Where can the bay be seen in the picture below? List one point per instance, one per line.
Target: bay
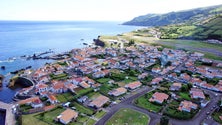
(19, 38)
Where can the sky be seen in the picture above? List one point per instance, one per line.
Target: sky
(96, 10)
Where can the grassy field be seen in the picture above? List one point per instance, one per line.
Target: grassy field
(130, 79)
(103, 80)
(128, 117)
(100, 114)
(185, 96)
(90, 122)
(58, 77)
(32, 120)
(216, 116)
(83, 109)
(93, 95)
(49, 116)
(191, 45)
(65, 97)
(143, 102)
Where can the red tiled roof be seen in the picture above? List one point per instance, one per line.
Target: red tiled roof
(159, 97)
(133, 85)
(99, 101)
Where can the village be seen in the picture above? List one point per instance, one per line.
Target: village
(83, 87)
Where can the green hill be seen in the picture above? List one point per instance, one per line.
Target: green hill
(186, 16)
(209, 29)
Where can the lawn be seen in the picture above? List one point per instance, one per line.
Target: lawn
(59, 77)
(105, 88)
(31, 120)
(93, 95)
(90, 122)
(82, 109)
(100, 114)
(83, 120)
(130, 79)
(128, 117)
(82, 92)
(103, 80)
(143, 102)
(49, 116)
(25, 108)
(216, 115)
(65, 97)
(185, 96)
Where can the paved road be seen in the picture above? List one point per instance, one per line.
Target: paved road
(154, 118)
(127, 103)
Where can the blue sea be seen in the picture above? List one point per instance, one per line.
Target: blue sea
(18, 38)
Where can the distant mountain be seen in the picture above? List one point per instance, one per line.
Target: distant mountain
(186, 16)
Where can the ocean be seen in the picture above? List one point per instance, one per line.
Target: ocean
(18, 38)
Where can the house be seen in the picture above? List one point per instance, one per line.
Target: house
(71, 87)
(75, 81)
(98, 74)
(142, 76)
(196, 81)
(187, 106)
(175, 86)
(52, 99)
(197, 93)
(88, 80)
(156, 70)
(99, 101)
(67, 116)
(133, 85)
(41, 88)
(82, 99)
(207, 86)
(84, 84)
(96, 85)
(156, 80)
(28, 100)
(185, 77)
(50, 107)
(118, 92)
(37, 103)
(59, 87)
(158, 97)
(173, 75)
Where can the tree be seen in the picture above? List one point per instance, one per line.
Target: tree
(164, 120)
(184, 88)
(131, 42)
